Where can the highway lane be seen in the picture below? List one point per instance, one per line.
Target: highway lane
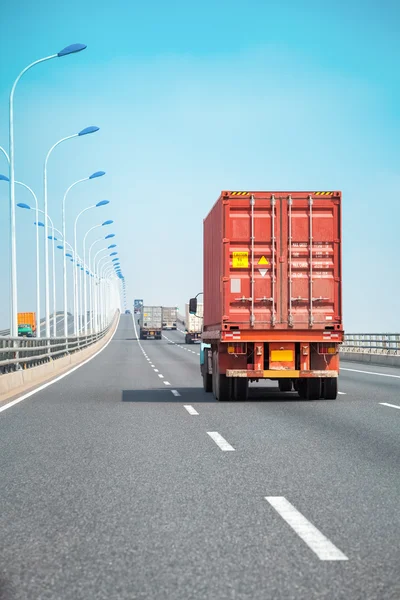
(112, 489)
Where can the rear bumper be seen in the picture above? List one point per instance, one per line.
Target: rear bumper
(277, 374)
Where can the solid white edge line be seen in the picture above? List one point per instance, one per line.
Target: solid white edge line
(390, 405)
(370, 373)
(220, 441)
(49, 383)
(175, 392)
(314, 539)
(190, 409)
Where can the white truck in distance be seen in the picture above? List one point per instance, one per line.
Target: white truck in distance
(193, 324)
(150, 322)
(169, 317)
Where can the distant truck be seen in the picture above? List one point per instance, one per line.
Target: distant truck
(26, 324)
(169, 317)
(137, 305)
(193, 324)
(272, 293)
(150, 322)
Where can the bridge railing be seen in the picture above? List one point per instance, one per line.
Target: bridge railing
(24, 353)
(372, 343)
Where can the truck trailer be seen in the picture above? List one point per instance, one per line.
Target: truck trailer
(272, 293)
(150, 322)
(26, 324)
(193, 324)
(169, 317)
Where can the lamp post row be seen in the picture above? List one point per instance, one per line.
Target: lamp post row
(72, 49)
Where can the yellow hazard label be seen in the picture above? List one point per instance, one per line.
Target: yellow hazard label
(239, 193)
(240, 260)
(263, 261)
(323, 193)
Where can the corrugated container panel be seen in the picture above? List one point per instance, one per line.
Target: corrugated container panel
(151, 317)
(273, 260)
(194, 323)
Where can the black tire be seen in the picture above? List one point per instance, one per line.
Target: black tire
(302, 389)
(313, 388)
(207, 381)
(222, 385)
(330, 388)
(240, 389)
(187, 339)
(285, 385)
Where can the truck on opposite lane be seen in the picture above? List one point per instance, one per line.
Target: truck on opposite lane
(150, 322)
(272, 293)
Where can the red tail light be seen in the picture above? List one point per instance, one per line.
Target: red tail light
(325, 348)
(237, 348)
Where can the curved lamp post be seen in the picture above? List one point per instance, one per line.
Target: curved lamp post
(101, 203)
(92, 176)
(72, 49)
(109, 222)
(4, 178)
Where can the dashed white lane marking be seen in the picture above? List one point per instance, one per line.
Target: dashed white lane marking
(161, 376)
(190, 409)
(175, 392)
(156, 370)
(220, 441)
(390, 405)
(152, 366)
(314, 539)
(167, 383)
(342, 393)
(371, 373)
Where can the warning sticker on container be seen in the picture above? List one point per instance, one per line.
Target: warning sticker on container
(240, 260)
(263, 261)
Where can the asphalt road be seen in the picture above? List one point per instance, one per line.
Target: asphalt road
(112, 489)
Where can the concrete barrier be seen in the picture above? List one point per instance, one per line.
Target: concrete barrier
(25, 380)
(387, 360)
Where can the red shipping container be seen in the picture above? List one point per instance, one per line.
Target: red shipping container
(272, 266)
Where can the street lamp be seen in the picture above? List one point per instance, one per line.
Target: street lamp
(92, 282)
(5, 178)
(99, 204)
(50, 237)
(92, 176)
(109, 222)
(86, 131)
(72, 49)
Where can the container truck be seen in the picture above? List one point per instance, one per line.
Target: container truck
(193, 324)
(150, 322)
(272, 293)
(26, 324)
(169, 317)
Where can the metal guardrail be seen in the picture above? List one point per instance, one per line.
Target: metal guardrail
(24, 353)
(372, 343)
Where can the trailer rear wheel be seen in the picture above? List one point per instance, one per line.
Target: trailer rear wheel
(285, 385)
(207, 381)
(313, 388)
(330, 388)
(222, 387)
(240, 388)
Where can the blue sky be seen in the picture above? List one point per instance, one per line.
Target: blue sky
(195, 98)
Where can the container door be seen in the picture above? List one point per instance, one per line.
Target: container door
(312, 260)
(251, 287)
